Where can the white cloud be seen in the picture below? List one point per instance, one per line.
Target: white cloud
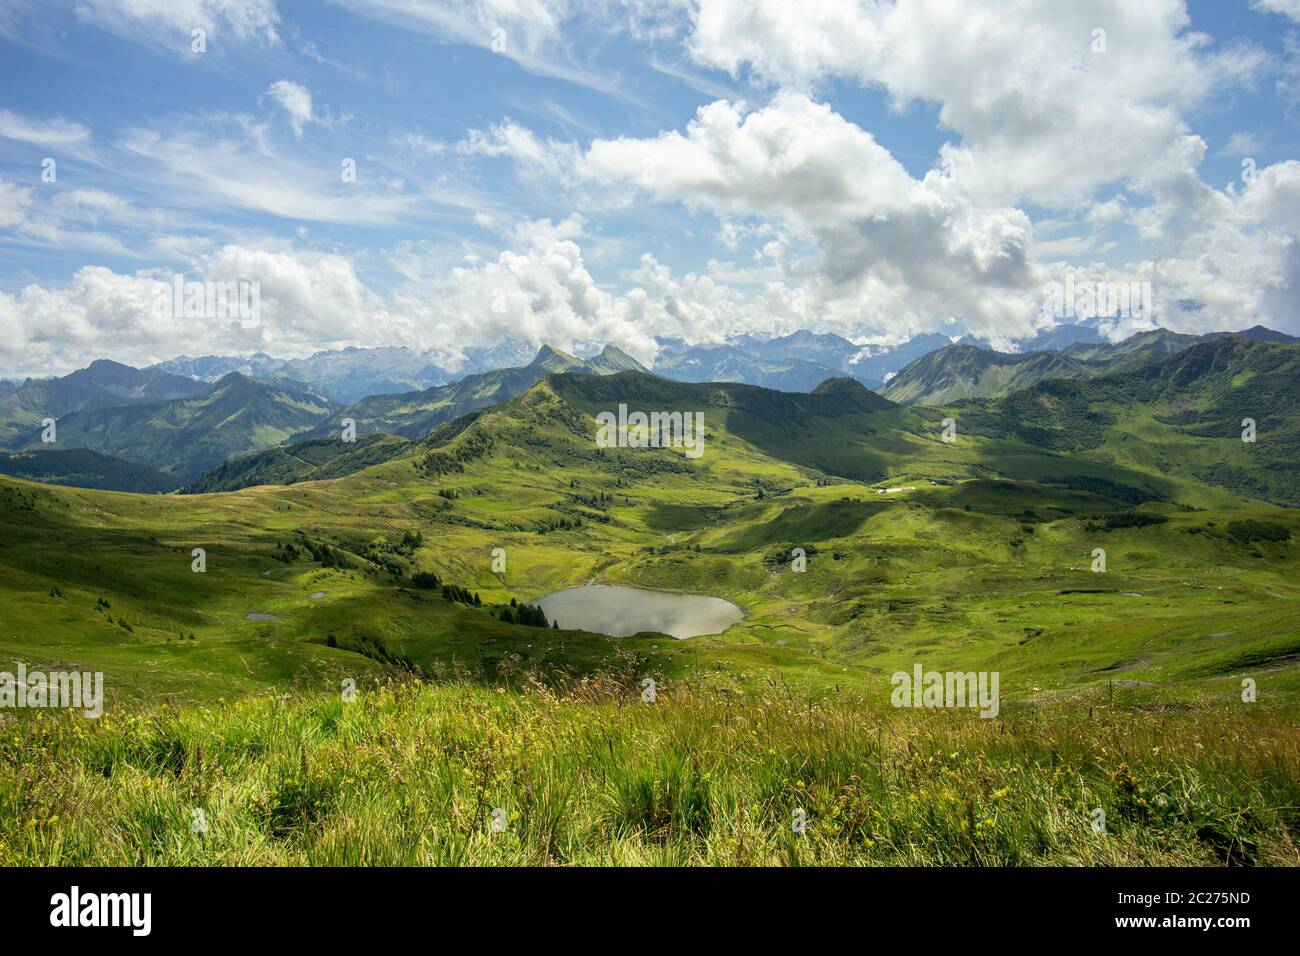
(295, 100)
(228, 164)
(422, 143)
(1104, 213)
(794, 158)
(173, 20)
(1230, 258)
(541, 162)
(542, 36)
(892, 252)
(818, 223)
(539, 290)
(869, 250)
(1287, 8)
(1041, 116)
(1222, 260)
(308, 300)
(1241, 145)
(52, 132)
(44, 216)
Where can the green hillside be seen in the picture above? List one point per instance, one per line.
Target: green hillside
(959, 372)
(1181, 417)
(103, 384)
(412, 414)
(187, 437)
(1135, 351)
(981, 553)
(299, 461)
(80, 468)
(965, 371)
(980, 558)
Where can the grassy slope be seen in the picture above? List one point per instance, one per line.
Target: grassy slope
(82, 468)
(1180, 418)
(950, 575)
(299, 461)
(413, 414)
(712, 773)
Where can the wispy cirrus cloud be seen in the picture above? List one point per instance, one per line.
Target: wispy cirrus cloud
(172, 22)
(43, 132)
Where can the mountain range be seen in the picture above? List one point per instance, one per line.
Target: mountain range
(350, 374)
(975, 549)
(187, 436)
(797, 362)
(154, 429)
(106, 408)
(1165, 432)
(966, 371)
(102, 384)
(411, 414)
(800, 361)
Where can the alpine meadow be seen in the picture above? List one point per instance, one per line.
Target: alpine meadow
(720, 433)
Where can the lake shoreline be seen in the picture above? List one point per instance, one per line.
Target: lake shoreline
(618, 610)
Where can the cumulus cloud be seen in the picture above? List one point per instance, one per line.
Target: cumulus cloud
(871, 251)
(295, 100)
(1043, 114)
(869, 247)
(1230, 258)
(793, 158)
(307, 301)
(1048, 110)
(821, 225)
(539, 291)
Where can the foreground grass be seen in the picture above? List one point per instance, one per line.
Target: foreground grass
(411, 774)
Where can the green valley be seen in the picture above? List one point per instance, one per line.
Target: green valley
(977, 554)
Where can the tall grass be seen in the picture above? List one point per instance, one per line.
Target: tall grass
(411, 774)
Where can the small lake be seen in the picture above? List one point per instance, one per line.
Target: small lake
(619, 611)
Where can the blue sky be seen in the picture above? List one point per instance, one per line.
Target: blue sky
(576, 171)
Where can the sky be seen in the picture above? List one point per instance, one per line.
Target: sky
(443, 175)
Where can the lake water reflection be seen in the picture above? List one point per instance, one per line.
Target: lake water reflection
(619, 611)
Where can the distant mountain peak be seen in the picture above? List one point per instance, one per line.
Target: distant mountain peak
(1262, 333)
(842, 385)
(614, 359)
(555, 359)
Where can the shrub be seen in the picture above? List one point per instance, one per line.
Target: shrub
(1249, 529)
